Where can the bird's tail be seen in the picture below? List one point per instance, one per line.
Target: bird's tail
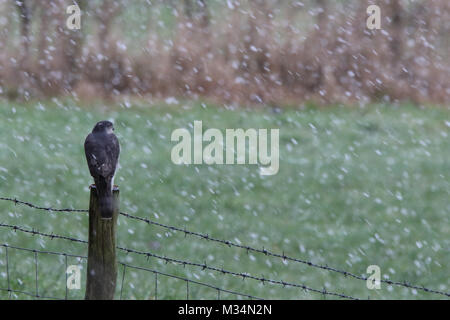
(105, 198)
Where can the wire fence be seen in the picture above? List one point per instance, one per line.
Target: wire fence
(202, 266)
(36, 293)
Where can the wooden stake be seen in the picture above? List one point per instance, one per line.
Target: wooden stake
(102, 266)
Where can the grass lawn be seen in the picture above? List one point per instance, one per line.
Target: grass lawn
(356, 187)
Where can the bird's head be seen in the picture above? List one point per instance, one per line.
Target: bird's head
(104, 127)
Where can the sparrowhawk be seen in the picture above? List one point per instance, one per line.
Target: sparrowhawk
(102, 153)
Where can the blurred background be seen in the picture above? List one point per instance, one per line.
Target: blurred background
(257, 52)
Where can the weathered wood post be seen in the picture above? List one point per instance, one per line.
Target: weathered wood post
(102, 266)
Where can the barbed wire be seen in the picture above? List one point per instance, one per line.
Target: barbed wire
(218, 289)
(5, 245)
(31, 205)
(229, 243)
(282, 256)
(35, 232)
(203, 266)
(242, 275)
(125, 265)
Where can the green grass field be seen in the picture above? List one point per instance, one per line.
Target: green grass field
(356, 187)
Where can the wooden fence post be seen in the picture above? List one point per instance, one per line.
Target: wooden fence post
(102, 265)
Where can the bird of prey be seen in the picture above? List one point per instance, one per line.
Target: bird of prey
(102, 154)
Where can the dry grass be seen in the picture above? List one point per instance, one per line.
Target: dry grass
(252, 54)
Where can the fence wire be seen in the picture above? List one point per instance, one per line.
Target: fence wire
(35, 252)
(184, 263)
(156, 273)
(36, 294)
(227, 243)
